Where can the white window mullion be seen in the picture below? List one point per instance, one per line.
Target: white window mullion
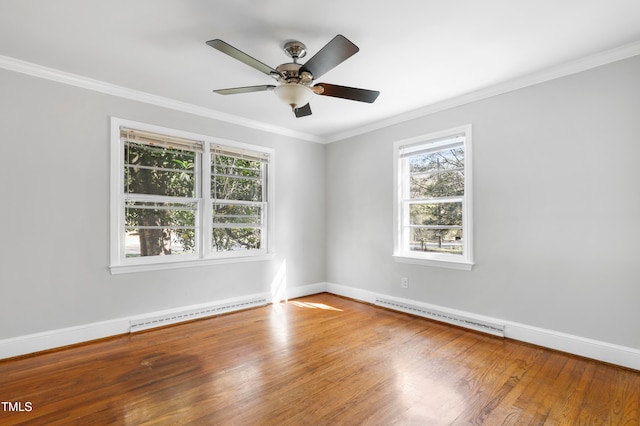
(467, 202)
(437, 200)
(159, 198)
(263, 225)
(206, 209)
(406, 216)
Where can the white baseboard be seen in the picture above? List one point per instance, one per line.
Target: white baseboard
(582, 346)
(450, 316)
(306, 290)
(37, 342)
(594, 349)
(351, 292)
(202, 310)
(588, 348)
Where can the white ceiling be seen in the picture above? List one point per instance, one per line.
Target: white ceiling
(415, 52)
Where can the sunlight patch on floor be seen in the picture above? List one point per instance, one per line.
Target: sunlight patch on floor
(311, 305)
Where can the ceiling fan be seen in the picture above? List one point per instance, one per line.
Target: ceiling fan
(295, 80)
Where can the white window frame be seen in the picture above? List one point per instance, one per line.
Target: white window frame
(205, 254)
(401, 252)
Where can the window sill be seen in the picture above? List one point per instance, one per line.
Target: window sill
(125, 269)
(438, 263)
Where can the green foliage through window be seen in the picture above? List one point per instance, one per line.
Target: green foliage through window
(237, 193)
(161, 227)
(186, 196)
(436, 185)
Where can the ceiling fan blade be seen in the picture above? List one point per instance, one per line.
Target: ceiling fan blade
(303, 111)
(331, 55)
(241, 56)
(247, 89)
(344, 92)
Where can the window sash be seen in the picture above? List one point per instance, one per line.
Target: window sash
(157, 211)
(259, 223)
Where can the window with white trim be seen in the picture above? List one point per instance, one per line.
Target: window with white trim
(433, 199)
(180, 198)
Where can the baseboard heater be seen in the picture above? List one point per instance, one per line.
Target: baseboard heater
(193, 313)
(450, 318)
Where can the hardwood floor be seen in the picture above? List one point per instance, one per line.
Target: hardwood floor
(318, 360)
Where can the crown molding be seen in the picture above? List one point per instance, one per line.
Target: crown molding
(572, 67)
(563, 70)
(35, 70)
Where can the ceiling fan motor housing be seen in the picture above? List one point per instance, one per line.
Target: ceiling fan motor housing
(290, 73)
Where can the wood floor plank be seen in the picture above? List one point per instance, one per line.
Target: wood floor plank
(318, 360)
(622, 410)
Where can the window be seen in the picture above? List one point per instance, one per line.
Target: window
(180, 198)
(433, 199)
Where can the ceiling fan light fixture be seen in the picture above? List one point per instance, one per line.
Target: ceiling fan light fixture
(293, 94)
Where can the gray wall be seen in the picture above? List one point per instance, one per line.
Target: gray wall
(55, 212)
(556, 201)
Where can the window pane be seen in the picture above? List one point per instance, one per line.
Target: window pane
(158, 171)
(145, 242)
(237, 214)
(235, 178)
(227, 165)
(236, 227)
(436, 240)
(236, 188)
(447, 159)
(436, 214)
(159, 228)
(233, 239)
(436, 184)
